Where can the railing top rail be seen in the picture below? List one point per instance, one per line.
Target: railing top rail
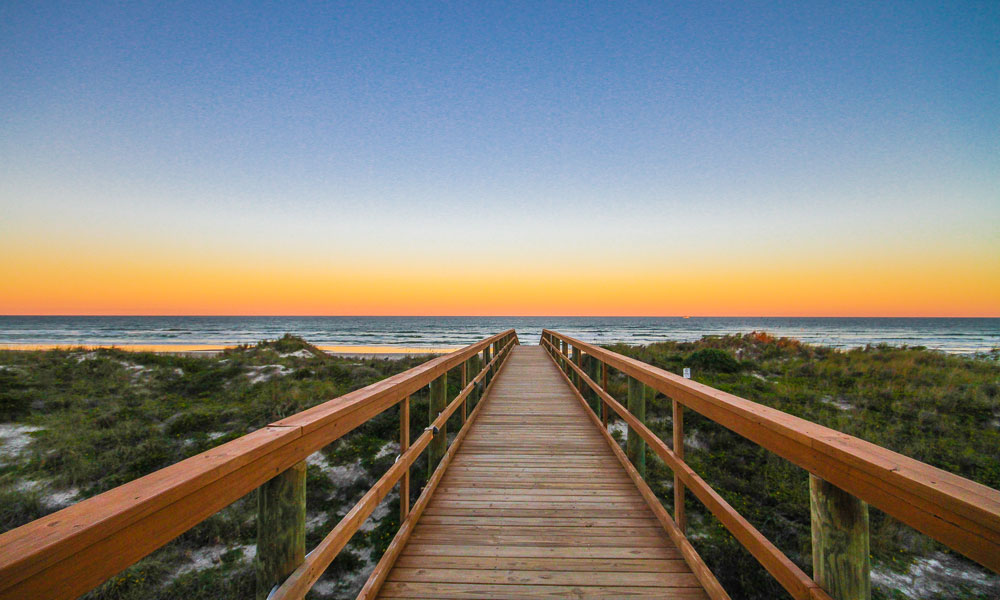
(83, 544)
(956, 511)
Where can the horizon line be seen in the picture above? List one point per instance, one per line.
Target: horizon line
(370, 316)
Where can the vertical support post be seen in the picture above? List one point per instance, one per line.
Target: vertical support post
(477, 390)
(438, 402)
(575, 357)
(465, 382)
(635, 447)
(281, 528)
(470, 374)
(841, 563)
(591, 365)
(679, 515)
(404, 444)
(604, 386)
(486, 361)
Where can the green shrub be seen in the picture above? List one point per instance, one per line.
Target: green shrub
(714, 360)
(14, 401)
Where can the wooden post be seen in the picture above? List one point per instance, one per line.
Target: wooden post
(281, 528)
(679, 515)
(604, 386)
(486, 361)
(575, 357)
(404, 443)
(592, 366)
(841, 563)
(438, 402)
(465, 382)
(635, 447)
(477, 389)
(470, 373)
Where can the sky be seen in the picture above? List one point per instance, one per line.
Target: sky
(481, 158)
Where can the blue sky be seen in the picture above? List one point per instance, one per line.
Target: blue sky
(657, 129)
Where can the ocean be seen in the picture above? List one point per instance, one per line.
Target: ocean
(947, 334)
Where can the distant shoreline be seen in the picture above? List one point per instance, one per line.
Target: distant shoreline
(215, 349)
(407, 336)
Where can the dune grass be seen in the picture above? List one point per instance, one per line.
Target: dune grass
(76, 423)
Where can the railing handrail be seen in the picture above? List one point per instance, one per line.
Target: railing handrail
(70, 551)
(960, 513)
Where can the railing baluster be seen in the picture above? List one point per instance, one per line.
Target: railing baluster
(476, 392)
(604, 386)
(575, 357)
(404, 443)
(840, 552)
(465, 382)
(281, 528)
(438, 402)
(635, 447)
(679, 515)
(592, 367)
(486, 361)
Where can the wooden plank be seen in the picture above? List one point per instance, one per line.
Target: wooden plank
(522, 511)
(593, 522)
(548, 577)
(589, 565)
(471, 591)
(606, 553)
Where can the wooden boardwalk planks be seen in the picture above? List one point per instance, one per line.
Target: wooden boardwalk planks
(535, 505)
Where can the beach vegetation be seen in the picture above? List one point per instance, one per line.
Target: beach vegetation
(78, 422)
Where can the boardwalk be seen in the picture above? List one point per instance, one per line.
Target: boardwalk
(535, 505)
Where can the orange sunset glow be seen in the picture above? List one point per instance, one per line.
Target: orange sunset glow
(478, 284)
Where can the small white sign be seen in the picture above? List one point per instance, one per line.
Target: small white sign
(687, 372)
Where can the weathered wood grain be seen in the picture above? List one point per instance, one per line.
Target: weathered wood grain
(841, 562)
(281, 528)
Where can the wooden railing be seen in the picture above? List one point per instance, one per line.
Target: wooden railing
(846, 474)
(75, 549)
